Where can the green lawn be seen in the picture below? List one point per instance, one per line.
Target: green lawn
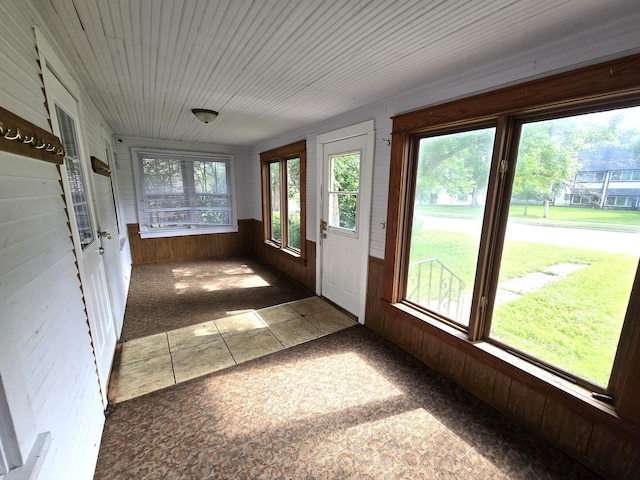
(628, 220)
(573, 322)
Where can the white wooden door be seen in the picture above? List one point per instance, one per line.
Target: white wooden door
(347, 164)
(78, 191)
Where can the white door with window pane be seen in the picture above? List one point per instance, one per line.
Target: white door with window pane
(345, 220)
(79, 198)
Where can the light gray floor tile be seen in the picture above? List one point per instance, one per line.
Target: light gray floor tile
(144, 348)
(236, 324)
(193, 335)
(135, 379)
(311, 305)
(330, 321)
(254, 344)
(295, 331)
(196, 361)
(277, 314)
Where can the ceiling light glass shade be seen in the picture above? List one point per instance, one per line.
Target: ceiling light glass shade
(205, 115)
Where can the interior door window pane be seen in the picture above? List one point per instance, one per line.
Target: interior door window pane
(76, 178)
(344, 186)
(451, 185)
(274, 182)
(293, 203)
(568, 266)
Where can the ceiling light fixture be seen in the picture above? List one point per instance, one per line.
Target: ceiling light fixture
(205, 115)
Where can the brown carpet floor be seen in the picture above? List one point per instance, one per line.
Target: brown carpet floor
(173, 295)
(348, 405)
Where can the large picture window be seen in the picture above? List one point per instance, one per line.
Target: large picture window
(184, 193)
(283, 197)
(521, 229)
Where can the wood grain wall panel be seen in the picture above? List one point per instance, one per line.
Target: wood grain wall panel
(501, 388)
(526, 404)
(613, 453)
(191, 247)
(451, 361)
(301, 271)
(431, 350)
(415, 342)
(566, 426)
(479, 378)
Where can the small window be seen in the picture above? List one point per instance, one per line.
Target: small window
(344, 185)
(183, 193)
(283, 198)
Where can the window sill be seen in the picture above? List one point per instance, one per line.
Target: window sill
(504, 362)
(181, 232)
(295, 256)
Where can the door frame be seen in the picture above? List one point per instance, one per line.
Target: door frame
(366, 190)
(53, 64)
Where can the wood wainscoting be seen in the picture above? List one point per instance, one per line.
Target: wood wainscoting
(247, 241)
(145, 251)
(585, 429)
(303, 271)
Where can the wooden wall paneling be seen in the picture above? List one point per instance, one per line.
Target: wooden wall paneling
(613, 453)
(479, 378)
(402, 334)
(134, 243)
(451, 361)
(566, 427)
(526, 403)
(415, 342)
(500, 393)
(431, 349)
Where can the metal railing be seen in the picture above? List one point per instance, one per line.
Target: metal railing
(434, 286)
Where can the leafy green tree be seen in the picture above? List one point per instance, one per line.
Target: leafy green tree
(456, 163)
(346, 184)
(546, 161)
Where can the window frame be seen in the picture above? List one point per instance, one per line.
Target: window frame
(187, 157)
(608, 85)
(296, 150)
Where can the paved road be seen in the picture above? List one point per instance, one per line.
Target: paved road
(588, 238)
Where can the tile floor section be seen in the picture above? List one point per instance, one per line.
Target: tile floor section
(158, 361)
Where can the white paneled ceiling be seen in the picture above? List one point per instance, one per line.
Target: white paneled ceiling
(271, 66)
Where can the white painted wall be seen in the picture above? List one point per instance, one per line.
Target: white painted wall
(47, 368)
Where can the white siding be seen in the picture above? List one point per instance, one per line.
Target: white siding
(46, 358)
(44, 314)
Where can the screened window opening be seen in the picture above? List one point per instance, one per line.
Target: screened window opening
(283, 198)
(185, 192)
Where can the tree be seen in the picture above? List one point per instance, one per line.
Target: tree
(457, 163)
(546, 159)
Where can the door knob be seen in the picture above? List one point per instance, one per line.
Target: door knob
(104, 234)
